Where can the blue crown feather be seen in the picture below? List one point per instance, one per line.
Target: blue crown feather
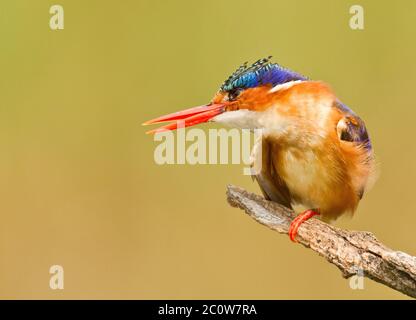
(261, 72)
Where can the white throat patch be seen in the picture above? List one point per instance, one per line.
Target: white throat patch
(243, 119)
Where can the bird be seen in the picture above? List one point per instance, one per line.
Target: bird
(315, 152)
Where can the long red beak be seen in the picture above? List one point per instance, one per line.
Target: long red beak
(188, 117)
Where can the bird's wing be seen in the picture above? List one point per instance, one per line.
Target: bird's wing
(351, 129)
(271, 184)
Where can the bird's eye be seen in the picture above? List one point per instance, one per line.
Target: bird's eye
(233, 94)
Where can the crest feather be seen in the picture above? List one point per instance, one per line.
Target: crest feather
(261, 72)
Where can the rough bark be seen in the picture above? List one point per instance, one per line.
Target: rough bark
(348, 250)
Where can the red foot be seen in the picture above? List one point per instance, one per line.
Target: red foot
(302, 217)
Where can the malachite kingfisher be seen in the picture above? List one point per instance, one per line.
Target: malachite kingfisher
(316, 153)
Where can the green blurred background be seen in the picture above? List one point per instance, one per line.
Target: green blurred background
(78, 183)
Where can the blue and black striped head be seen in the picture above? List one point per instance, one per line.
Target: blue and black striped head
(260, 73)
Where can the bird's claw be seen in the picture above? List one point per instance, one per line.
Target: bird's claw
(302, 217)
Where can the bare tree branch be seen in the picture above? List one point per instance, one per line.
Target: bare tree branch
(348, 250)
